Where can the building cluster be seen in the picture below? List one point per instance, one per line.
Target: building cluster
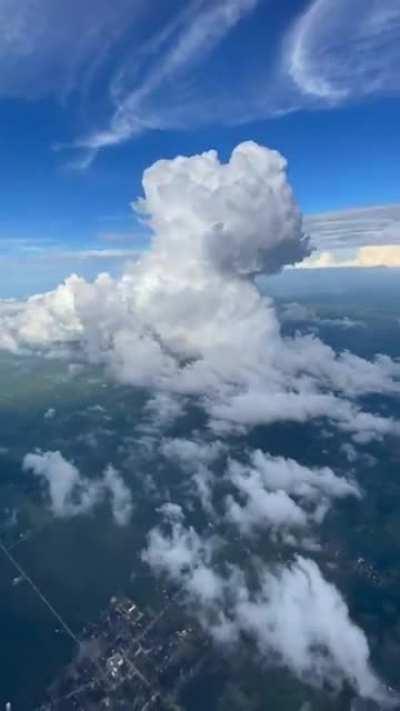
(131, 659)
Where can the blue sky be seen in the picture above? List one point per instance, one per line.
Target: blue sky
(92, 93)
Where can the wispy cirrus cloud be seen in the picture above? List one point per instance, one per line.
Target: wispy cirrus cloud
(50, 46)
(331, 54)
(127, 68)
(184, 42)
(341, 51)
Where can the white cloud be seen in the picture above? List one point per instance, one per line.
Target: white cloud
(383, 255)
(189, 454)
(46, 45)
(262, 509)
(349, 229)
(330, 55)
(71, 494)
(293, 614)
(339, 52)
(162, 410)
(187, 319)
(362, 237)
(242, 217)
(121, 498)
(173, 554)
(127, 74)
(186, 40)
(280, 494)
(49, 414)
(41, 320)
(303, 619)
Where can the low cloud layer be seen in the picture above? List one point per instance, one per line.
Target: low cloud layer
(293, 614)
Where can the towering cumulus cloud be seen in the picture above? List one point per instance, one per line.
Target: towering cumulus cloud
(188, 318)
(238, 219)
(188, 322)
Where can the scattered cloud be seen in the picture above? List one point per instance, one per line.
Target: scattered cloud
(190, 454)
(303, 619)
(121, 498)
(187, 322)
(293, 614)
(49, 414)
(281, 494)
(71, 494)
(162, 410)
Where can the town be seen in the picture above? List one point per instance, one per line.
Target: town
(131, 659)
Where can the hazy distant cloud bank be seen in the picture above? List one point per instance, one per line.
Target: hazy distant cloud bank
(364, 237)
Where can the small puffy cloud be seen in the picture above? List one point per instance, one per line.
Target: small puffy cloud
(162, 410)
(280, 494)
(180, 553)
(174, 553)
(294, 478)
(121, 497)
(263, 509)
(50, 413)
(71, 494)
(190, 454)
